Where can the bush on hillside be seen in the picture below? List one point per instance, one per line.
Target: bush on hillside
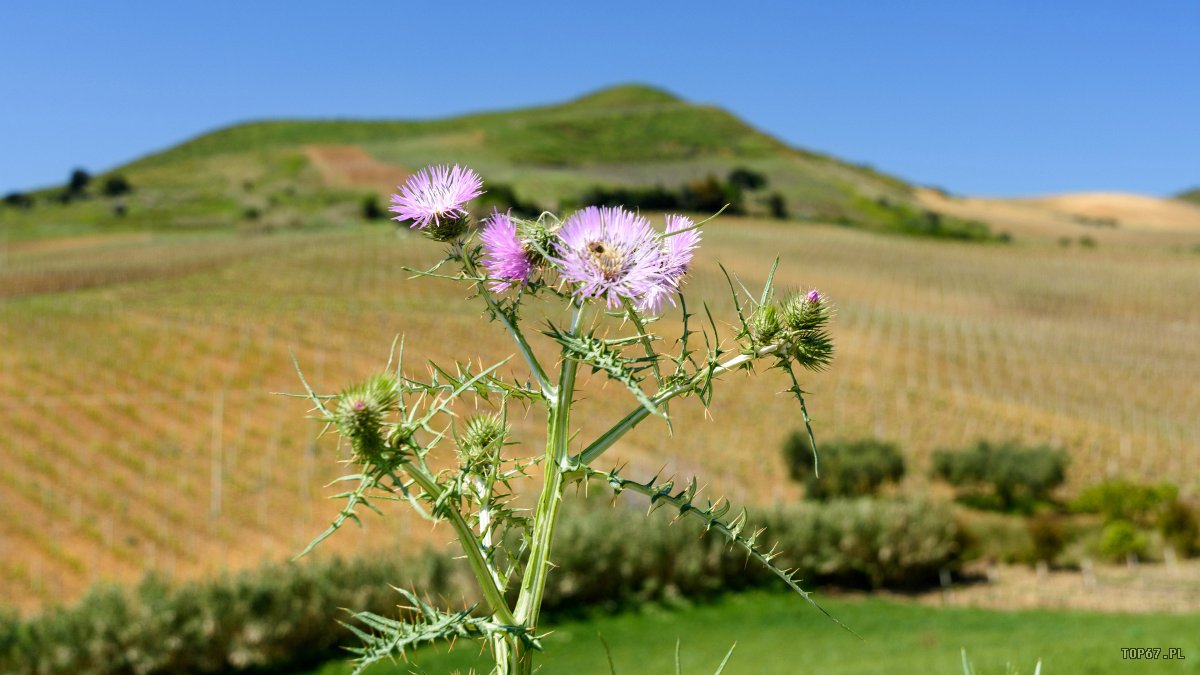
(777, 206)
(848, 468)
(370, 208)
(502, 197)
(1119, 499)
(1146, 507)
(18, 199)
(115, 186)
(1003, 476)
(78, 182)
(1120, 540)
(747, 179)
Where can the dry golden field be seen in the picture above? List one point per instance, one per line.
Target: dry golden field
(138, 430)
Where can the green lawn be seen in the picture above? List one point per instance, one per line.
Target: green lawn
(780, 634)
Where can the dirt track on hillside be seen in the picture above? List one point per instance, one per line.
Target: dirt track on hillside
(351, 166)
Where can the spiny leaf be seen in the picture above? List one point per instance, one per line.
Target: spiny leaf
(592, 351)
(732, 530)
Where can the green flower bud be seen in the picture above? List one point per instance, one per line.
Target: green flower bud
(447, 229)
(806, 312)
(360, 414)
(764, 325)
(536, 237)
(481, 442)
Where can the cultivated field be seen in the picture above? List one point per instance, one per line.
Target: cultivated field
(139, 431)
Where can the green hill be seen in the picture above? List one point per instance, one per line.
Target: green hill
(262, 175)
(1192, 195)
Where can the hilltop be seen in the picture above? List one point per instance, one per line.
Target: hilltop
(631, 144)
(288, 174)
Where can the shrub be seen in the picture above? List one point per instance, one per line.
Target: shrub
(1180, 527)
(851, 468)
(1120, 539)
(777, 206)
(502, 197)
(18, 199)
(1004, 476)
(115, 186)
(1123, 500)
(711, 195)
(371, 210)
(78, 182)
(282, 617)
(746, 179)
(903, 218)
(1048, 533)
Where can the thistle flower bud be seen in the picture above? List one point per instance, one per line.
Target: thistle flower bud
(447, 229)
(765, 327)
(806, 312)
(481, 442)
(537, 237)
(360, 414)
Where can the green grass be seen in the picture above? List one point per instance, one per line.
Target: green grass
(780, 634)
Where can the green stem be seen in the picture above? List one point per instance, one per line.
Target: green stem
(535, 366)
(489, 582)
(533, 585)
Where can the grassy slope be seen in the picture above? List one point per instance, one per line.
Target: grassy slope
(623, 135)
(780, 635)
(1192, 196)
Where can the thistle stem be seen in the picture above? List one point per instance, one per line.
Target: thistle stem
(489, 581)
(533, 585)
(535, 366)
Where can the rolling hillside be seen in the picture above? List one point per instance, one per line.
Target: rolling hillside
(143, 333)
(272, 175)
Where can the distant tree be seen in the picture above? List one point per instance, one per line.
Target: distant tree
(849, 468)
(502, 197)
(1016, 476)
(371, 210)
(777, 206)
(746, 179)
(18, 199)
(709, 194)
(115, 186)
(78, 182)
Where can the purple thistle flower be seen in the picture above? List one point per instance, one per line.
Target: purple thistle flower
(814, 296)
(612, 254)
(434, 194)
(504, 255)
(679, 248)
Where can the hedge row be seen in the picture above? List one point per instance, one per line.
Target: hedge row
(283, 616)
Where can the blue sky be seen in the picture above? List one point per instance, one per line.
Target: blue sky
(1008, 98)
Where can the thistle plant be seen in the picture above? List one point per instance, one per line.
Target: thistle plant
(603, 278)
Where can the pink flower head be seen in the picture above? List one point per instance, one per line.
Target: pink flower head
(679, 248)
(434, 194)
(814, 296)
(613, 254)
(504, 255)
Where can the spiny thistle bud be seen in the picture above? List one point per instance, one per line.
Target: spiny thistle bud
(480, 443)
(361, 411)
(806, 342)
(764, 325)
(806, 312)
(447, 229)
(537, 237)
